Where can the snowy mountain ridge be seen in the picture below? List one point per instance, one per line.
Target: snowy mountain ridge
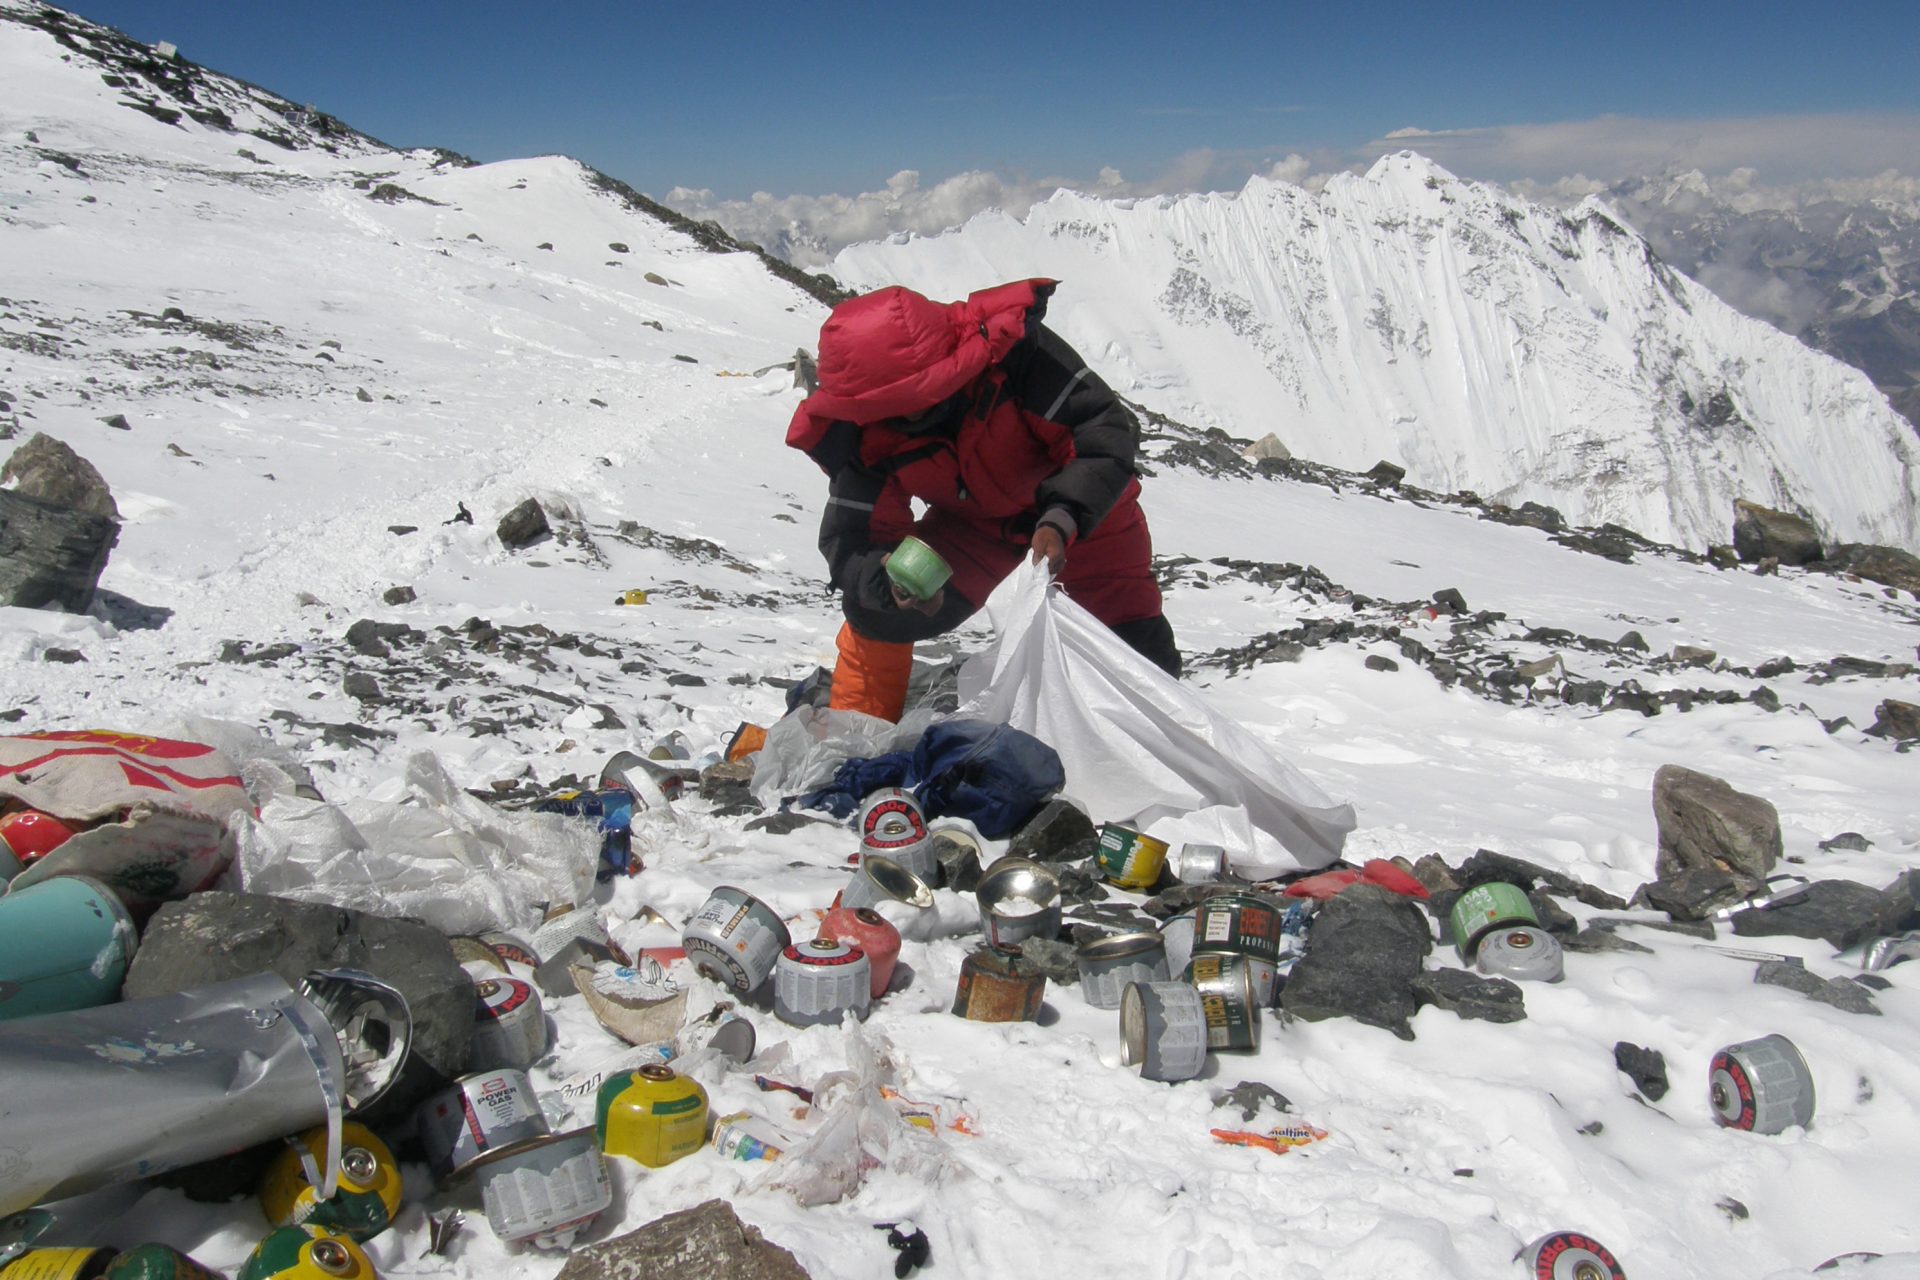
(1482, 341)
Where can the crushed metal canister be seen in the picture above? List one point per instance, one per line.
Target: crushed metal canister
(1524, 953)
(1129, 858)
(1019, 899)
(1762, 1086)
(546, 1192)
(65, 943)
(1108, 965)
(651, 1114)
(1484, 908)
(998, 984)
(59, 1264)
(1569, 1255)
(369, 1193)
(307, 1253)
(735, 939)
(181, 1078)
(156, 1262)
(1163, 1030)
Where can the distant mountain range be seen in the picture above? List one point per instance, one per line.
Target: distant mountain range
(1482, 341)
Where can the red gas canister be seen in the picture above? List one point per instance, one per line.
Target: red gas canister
(872, 933)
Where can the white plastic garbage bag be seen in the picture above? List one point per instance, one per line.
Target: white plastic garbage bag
(1137, 745)
(804, 749)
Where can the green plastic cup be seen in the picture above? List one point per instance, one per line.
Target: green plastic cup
(917, 569)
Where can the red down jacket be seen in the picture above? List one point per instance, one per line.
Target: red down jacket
(994, 423)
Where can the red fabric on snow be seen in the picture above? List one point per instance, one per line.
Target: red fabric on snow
(1376, 871)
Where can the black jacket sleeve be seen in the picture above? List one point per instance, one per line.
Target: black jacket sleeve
(1048, 378)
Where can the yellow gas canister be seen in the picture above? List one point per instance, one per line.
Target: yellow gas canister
(369, 1193)
(58, 1264)
(307, 1252)
(651, 1114)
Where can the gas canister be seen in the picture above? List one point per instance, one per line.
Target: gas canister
(651, 1114)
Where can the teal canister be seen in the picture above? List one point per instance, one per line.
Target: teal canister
(65, 943)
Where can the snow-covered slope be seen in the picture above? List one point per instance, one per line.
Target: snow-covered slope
(317, 377)
(1481, 341)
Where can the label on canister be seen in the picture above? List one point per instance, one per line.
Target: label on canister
(1109, 965)
(364, 1203)
(743, 1136)
(1229, 999)
(1569, 1255)
(819, 981)
(545, 1193)
(1131, 859)
(651, 1114)
(509, 1026)
(482, 1113)
(1163, 1030)
(1238, 922)
(307, 1253)
(735, 938)
(1485, 907)
(155, 1262)
(58, 1264)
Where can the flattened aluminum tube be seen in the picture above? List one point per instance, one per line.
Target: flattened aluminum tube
(126, 1091)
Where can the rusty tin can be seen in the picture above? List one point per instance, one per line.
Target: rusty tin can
(1109, 965)
(820, 981)
(735, 939)
(509, 1026)
(1163, 1030)
(483, 1114)
(998, 984)
(1129, 858)
(651, 1114)
(1230, 998)
(544, 1193)
(369, 1192)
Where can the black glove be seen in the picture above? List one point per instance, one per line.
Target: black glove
(912, 1244)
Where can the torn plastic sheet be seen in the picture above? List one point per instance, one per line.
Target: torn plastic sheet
(1138, 745)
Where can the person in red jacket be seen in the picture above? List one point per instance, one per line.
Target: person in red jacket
(1012, 444)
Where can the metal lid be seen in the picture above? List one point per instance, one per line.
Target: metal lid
(1120, 946)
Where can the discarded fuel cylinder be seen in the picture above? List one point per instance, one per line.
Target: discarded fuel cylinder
(482, 1115)
(651, 1114)
(874, 934)
(546, 1192)
(891, 824)
(1177, 936)
(1241, 924)
(156, 1262)
(1199, 863)
(1109, 964)
(1229, 998)
(1019, 899)
(1483, 908)
(1163, 1030)
(1762, 1086)
(65, 944)
(735, 939)
(998, 984)
(820, 981)
(509, 1026)
(28, 835)
(59, 1264)
(727, 1034)
(1129, 858)
(744, 1136)
(369, 1193)
(1525, 953)
(307, 1253)
(1569, 1255)
(880, 879)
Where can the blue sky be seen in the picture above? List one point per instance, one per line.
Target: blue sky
(815, 99)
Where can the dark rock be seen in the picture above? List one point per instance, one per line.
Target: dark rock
(1376, 662)
(1633, 640)
(1848, 842)
(1058, 960)
(1872, 981)
(1703, 822)
(653, 278)
(1761, 533)
(1448, 600)
(118, 421)
(959, 862)
(1487, 866)
(1693, 894)
(1250, 1096)
(706, 1242)
(1593, 941)
(1841, 912)
(1386, 473)
(48, 471)
(780, 824)
(1554, 918)
(1701, 929)
(1722, 556)
(1765, 699)
(686, 680)
(1179, 898)
(1848, 997)
(399, 595)
(361, 687)
(362, 395)
(1904, 901)
(617, 247)
(1364, 950)
(1689, 655)
(1471, 996)
(1734, 1209)
(371, 639)
(1895, 719)
(402, 530)
(725, 776)
(67, 656)
(214, 936)
(1774, 668)
(1647, 1068)
(1888, 566)
(1060, 832)
(51, 555)
(525, 524)
(1435, 875)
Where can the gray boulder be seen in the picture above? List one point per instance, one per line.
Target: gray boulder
(525, 524)
(51, 555)
(1761, 533)
(1703, 822)
(706, 1242)
(1888, 566)
(1060, 832)
(1646, 1067)
(1848, 997)
(214, 936)
(1841, 912)
(1470, 995)
(1364, 951)
(48, 471)
(1895, 719)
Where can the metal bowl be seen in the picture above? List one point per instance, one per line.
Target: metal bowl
(1012, 880)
